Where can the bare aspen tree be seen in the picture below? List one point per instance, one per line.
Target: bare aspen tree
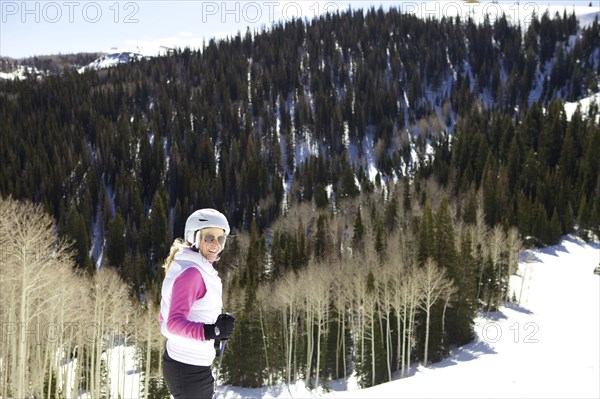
(357, 310)
(433, 284)
(110, 303)
(393, 275)
(369, 274)
(143, 339)
(8, 297)
(370, 305)
(262, 297)
(396, 276)
(497, 245)
(480, 250)
(315, 291)
(364, 308)
(497, 242)
(304, 281)
(341, 303)
(82, 336)
(447, 297)
(406, 302)
(68, 319)
(413, 299)
(148, 331)
(7, 302)
(33, 264)
(407, 296)
(285, 300)
(56, 323)
(385, 288)
(514, 245)
(398, 282)
(321, 295)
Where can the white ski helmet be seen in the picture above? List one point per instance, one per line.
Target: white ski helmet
(202, 219)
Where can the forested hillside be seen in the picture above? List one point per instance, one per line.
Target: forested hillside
(380, 172)
(48, 64)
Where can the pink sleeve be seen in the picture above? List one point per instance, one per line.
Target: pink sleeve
(188, 287)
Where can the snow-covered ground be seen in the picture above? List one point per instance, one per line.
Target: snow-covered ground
(584, 105)
(547, 347)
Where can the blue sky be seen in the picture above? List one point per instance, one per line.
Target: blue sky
(30, 28)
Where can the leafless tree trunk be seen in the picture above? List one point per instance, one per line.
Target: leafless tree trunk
(315, 283)
(310, 343)
(110, 302)
(262, 295)
(497, 245)
(480, 235)
(145, 336)
(285, 300)
(433, 283)
(360, 314)
(514, 245)
(412, 296)
(404, 297)
(447, 296)
(385, 288)
(340, 299)
(34, 267)
(320, 293)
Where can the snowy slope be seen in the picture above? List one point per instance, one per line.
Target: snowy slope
(546, 347)
(110, 60)
(21, 72)
(584, 106)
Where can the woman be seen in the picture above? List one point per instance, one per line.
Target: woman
(191, 306)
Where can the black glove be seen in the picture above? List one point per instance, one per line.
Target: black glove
(222, 329)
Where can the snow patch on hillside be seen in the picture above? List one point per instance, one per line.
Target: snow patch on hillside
(584, 106)
(111, 60)
(22, 72)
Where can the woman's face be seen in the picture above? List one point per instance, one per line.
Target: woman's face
(212, 241)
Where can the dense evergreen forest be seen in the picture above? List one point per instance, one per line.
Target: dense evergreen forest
(379, 186)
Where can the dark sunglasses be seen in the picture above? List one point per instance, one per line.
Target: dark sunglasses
(210, 238)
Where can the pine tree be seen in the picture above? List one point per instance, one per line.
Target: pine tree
(76, 228)
(461, 313)
(444, 243)
(358, 234)
(321, 240)
(115, 241)
(158, 230)
(391, 215)
(426, 234)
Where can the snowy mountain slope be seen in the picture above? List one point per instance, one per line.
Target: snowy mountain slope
(21, 72)
(21, 69)
(519, 352)
(110, 60)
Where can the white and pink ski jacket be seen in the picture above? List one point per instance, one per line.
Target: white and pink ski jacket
(191, 296)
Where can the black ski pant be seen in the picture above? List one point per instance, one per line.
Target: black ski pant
(186, 381)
